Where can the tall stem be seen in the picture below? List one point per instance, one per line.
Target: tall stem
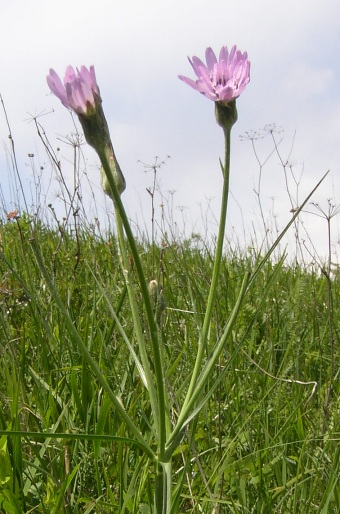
(163, 488)
(160, 391)
(226, 117)
(136, 321)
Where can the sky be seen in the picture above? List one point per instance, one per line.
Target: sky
(138, 50)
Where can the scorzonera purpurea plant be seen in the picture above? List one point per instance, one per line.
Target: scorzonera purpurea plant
(222, 81)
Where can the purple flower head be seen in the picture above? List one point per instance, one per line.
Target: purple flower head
(79, 92)
(221, 80)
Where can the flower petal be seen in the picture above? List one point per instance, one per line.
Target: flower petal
(196, 63)
(56, 86)
(210, 58)
(190, 82)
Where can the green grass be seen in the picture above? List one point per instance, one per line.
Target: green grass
(266, 441)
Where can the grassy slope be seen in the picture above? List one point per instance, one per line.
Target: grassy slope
(261, 445)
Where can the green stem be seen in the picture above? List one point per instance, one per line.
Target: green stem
(160, 412)
(215, 277)
(163, 488)
(137, 322)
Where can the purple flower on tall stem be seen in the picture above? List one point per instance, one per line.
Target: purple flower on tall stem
(221, 80)
(79, 91)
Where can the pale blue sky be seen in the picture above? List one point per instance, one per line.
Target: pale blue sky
(138, 49)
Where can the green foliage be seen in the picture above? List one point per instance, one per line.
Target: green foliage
(264, 441)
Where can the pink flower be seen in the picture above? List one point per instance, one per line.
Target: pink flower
(221, 80)
(79, 92)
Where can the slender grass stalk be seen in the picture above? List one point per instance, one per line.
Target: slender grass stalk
(79, 437)
(284, 231)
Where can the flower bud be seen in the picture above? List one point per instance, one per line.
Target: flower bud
(226, 114)
(157, 299)
(116, 172)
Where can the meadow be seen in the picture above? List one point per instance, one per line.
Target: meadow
(267, 440)
(161, 373)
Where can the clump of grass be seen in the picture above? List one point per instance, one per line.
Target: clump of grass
(103, 385)
(260, 445)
